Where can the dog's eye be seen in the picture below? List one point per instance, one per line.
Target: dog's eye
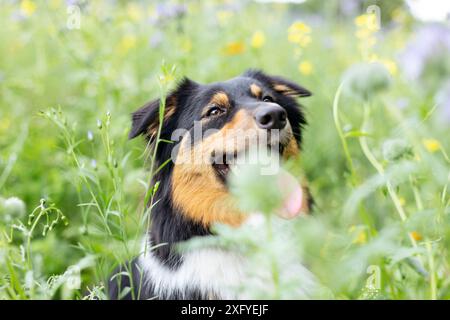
(214, 111)
(267, 99)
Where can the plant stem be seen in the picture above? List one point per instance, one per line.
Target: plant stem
(377, 165)
(433, 285)
(341, 134)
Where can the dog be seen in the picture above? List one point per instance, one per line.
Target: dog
(193, 196)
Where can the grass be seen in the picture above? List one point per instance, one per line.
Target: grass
(379, 173)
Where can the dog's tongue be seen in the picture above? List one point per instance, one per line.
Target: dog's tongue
(293, 196)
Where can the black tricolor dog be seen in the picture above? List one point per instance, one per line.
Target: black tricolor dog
(192, 196)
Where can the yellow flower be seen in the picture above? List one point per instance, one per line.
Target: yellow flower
(186, 45)
(258, 39)
(416, 236)
(128, 42)
(134, 12)
(363, 33)
(367, 25)
(305, 68)
(27, 7)
(367, 21)
(4, 124)
(361, 237)
(299, 27)
(361, 20)
(402, 201)
(299, 33)
(305, 41)
(431, 145)
(391, 66)
(234, 48)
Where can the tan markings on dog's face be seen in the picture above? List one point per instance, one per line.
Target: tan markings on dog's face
(197, 191)
(284, 89)
(256, 90)
(169, 111)
(291, 149)
(220, 98)
(201, 197)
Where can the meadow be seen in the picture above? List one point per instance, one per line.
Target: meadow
(375, 151)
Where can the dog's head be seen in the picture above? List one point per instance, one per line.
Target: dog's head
(212, 125)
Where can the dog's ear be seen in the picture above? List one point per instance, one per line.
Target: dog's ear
(279, 84)
(146, 119)
(288, 88)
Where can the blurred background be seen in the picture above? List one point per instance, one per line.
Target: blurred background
(72, 185)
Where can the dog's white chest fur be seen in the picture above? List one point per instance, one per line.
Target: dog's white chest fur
(214, 272)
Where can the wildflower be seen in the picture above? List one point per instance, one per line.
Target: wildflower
(364, 79)
(402, 201)
(90, 135)
(234, 48)
(367, 21)
(258, 39)
(156, 39)
(299, 33)
(186, 45)
(360, 238)
(431, 145)
(134, 12)
(299, 27)
(305, 68)
(367, 26)
(128, 42)
(4, 124)
(416, 236)
(390, 65)
(429, 47)
(165, 11)
(27, 7)
(402, 103)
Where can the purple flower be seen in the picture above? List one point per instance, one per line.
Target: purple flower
(166, 11)
(402, 103)
(350, 7)
(17, 16)
(156, 39)
(430, 41)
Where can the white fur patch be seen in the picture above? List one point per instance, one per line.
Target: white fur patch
(214, 272)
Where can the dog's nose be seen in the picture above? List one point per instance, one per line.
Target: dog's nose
(271, 117)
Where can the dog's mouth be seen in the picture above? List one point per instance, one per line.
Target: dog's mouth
(293, 198)
(224, 163)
